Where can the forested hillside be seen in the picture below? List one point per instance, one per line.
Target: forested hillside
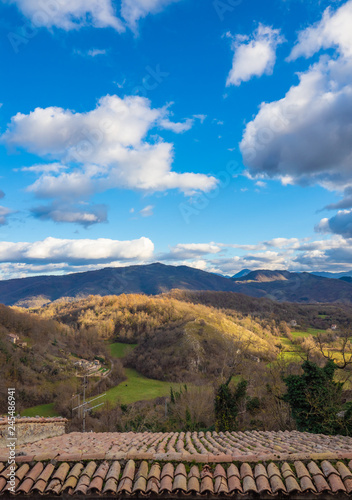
(176, 340)
(41, 364)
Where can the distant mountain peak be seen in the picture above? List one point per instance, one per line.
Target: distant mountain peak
(264, 275)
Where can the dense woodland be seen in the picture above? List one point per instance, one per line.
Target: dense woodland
(200, 340)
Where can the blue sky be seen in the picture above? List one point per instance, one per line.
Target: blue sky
(212, 133)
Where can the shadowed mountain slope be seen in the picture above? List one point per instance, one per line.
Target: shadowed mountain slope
(157, 278)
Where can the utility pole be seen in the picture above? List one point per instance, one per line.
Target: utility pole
(84, 407)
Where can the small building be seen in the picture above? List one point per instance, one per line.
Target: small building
(293, 323)
(333, 327)
(13, 338)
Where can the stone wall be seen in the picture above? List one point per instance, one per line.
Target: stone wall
(29, 430)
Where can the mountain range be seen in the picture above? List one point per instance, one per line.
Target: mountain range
(157, 278)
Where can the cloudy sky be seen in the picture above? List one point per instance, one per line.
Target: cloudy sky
(212, 133)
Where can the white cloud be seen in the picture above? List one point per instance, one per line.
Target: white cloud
(4, 213)
(184, 251)
(90, 52)
(134, 10)
(104, 148)
(305, 138)
(340, 224)
(68, 14)
(71, 214)
(96, 52)
(53, 250)
(334, 30)
(147, 211)
(47, 168)
(255, 56)
(178, 128)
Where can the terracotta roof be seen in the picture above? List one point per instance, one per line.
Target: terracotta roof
(208, 447)
(136, 478)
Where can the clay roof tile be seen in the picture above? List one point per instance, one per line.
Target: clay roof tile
(110, 486)
(307, 484)
(344, 472)
(207, 485)
(142, 471)
(26, 486)
(102, 470)
(291, 484)
(153, 485)
(193, 484)
(249, 484)
(273, 470)
(180, 483)
(154, 472)
(61, 472)
(233, 471)
(76, 470)
(277, 484)
(35, 471)
(314, 469)
(320, 483)
(336, 483)
(125, 485)
(166, 484)
(246, 470)
(140, 486)
(70, 483)
(89, 469)
(181, 469)
(234, 484)
(221, 485)
(348, 485)
(22, 471)
(129, 470)
(301, 470)
(83, 484)
(263, 484)
(167, 470)
(194, 472)
(286, 470)
(219, 471)
(260, 470)
(114, 471)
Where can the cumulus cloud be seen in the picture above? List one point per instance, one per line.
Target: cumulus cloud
(71, 214)
(341, 224)
(305, 138)
(334, 30)
(54, 250)
(254, 56)
(102, 149)
(69, 15)
(134, 10)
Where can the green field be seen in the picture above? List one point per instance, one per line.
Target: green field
(40, 410)
(120, 350)
(306, 333)
(137, 387)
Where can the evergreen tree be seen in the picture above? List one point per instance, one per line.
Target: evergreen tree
(316, 400)
(227, 405)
